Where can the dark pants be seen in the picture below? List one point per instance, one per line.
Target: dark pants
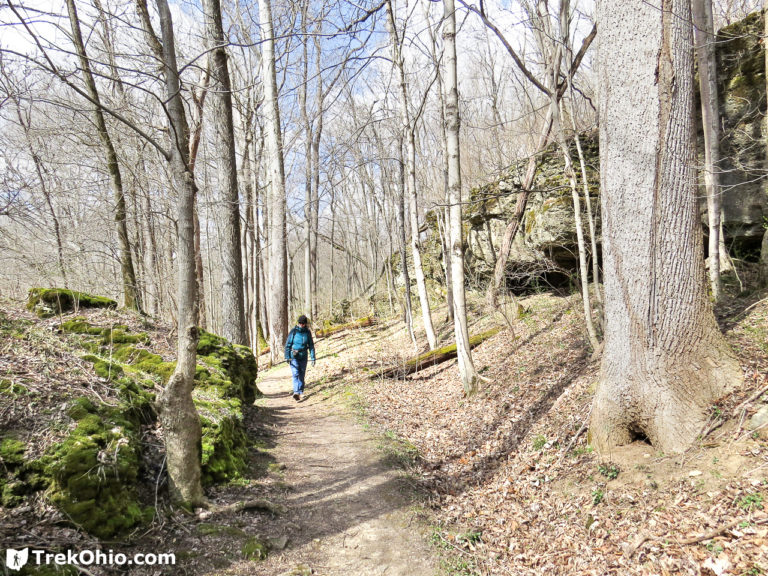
(298, 369)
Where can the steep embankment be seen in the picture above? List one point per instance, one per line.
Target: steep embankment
(81, 454)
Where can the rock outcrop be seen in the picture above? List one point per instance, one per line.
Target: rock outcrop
(545, 250)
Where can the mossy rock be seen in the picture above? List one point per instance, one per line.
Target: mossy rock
(80, 325)
(19, 477)
(236, 364)
(255, 549)
(95, 472)
(209, 529)
(224, 442)
(47, 302)
(225, 378)
(11, 452)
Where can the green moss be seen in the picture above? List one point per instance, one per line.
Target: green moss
(10, 388)
(46, 302)
(208, 529)
(95, 471)
(18, 477)
(80, 408)
(224, 443)
(233, 368)
(106, 369)
(254, 549)
(137, 399)
(79, 326)
(120, 336)
(12, 452)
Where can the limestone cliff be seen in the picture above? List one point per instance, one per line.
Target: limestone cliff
(546, 249)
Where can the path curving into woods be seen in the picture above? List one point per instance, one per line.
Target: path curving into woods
(347, 511)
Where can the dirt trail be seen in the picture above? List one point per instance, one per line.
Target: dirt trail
(348, 512)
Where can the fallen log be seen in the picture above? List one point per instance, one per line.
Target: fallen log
(433, 357)
(360, 323)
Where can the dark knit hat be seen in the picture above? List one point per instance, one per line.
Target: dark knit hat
(302, 319)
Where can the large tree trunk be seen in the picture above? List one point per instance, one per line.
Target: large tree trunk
(665, 361)
(231, 290)
(130, 289)
(461, 332)
(704, 35)
(277, 294)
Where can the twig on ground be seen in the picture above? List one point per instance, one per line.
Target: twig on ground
(264, 505)
(751, 399)
(644, 537)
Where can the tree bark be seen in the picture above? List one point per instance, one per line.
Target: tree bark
(178, 415)
(461, 332)
(130, 289)
(233, 326)
(665, 361)
(277, 294)
(407, 130)
(704, 36)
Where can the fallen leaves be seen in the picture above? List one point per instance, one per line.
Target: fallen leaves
(514, 464)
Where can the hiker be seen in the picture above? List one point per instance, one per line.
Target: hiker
(297, 344)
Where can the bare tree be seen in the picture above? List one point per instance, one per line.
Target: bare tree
(232, 298)
(408, 127)
(181, 423)
(277, 294)
(452, 122)
(130, 289)
(704, 36)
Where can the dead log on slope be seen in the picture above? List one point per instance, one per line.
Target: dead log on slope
(433, 357)
(359, 323)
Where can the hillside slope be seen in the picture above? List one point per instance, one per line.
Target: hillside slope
(515, 485)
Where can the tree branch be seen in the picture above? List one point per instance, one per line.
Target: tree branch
(53, 69)
(509, 48)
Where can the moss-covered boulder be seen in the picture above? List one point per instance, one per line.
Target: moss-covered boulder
(95, 471)
(19, 477)
(224, 442)
(236, 366)
(46, 302)
(225, 381)
(548, 228)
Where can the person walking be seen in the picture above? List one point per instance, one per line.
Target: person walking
(299, 348)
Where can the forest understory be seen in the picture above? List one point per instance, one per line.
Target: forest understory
(504, 482)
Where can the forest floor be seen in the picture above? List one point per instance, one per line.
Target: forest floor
(372, 475)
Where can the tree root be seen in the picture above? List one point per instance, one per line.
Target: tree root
(262, 505)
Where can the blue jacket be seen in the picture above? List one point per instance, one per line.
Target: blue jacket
(300, 340)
